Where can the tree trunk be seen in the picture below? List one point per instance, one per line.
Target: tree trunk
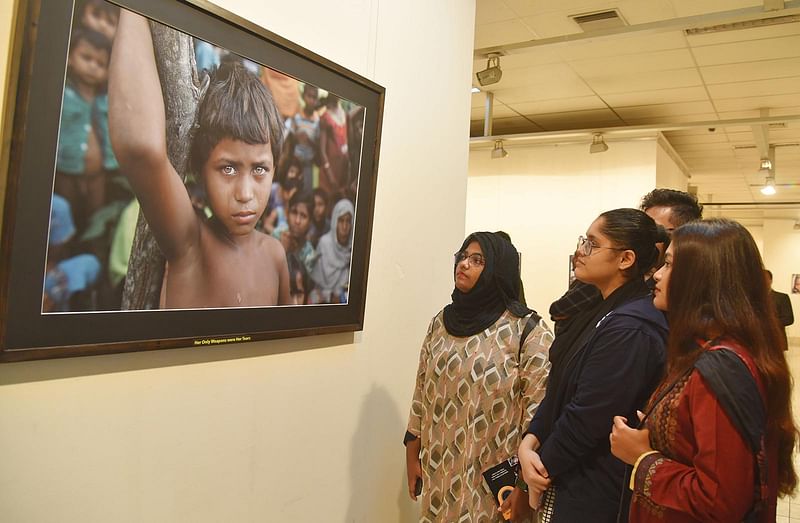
(174, 55)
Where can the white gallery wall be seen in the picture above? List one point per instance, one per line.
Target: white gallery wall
(298, 430)
(781, 253)
(545, 196)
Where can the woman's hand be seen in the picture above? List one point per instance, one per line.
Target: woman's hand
(413, 466)
(516, 504)
(628, 444)
(533, 470)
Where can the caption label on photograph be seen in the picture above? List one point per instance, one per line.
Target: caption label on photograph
(217, 341)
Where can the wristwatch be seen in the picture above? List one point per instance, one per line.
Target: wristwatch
(520, 483)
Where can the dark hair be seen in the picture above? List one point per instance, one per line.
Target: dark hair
(303, 196)
(237, 106)
(309, 87)
(685, 206)
(632, 229)
(319, 191)
(717, 286)
(91, 37)
(768, 273)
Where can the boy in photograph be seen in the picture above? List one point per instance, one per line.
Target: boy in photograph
(222, 261)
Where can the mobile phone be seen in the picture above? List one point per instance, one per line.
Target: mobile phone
(418, 487)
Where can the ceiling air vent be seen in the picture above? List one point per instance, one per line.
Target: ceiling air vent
(599, 20)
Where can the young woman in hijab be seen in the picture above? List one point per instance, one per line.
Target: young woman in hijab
(331, 273)
(721, 421)
(482, 372)
(608, 362)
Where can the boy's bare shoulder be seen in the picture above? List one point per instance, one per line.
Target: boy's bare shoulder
(270, 245)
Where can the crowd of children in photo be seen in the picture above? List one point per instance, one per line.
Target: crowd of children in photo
(294, 209)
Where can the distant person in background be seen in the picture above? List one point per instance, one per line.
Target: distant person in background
(796, 284)
(783, 305)
(331, 273)
(334, 168)
(304, 125)
(321, 222)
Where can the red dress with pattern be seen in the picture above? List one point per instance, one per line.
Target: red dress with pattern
(704, 469)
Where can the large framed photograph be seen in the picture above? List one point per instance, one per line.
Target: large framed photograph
(179, 177)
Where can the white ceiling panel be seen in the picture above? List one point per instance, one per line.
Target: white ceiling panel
(539, 75)
(578, 120)
(499, 33)
(549, 25)
(756, 88)
(756, 102)
(656, 80)
(622, 46)
(707, 137)
(659, 110)
(698, 7)
(657, 96)
(491, 11)
(770, 49)
(748, 71)
(544, 91)
(581, 103)
(634, 63)
(513, 125)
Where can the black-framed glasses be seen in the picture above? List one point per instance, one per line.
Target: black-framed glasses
(585, 247)
(475, 258)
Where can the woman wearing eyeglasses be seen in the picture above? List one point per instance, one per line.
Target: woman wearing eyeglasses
(608, 362)
(482, 372)
(718, 437)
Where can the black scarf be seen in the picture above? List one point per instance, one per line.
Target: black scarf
(564, 352)
(496, 290)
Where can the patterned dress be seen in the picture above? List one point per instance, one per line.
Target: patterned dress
(473, 400)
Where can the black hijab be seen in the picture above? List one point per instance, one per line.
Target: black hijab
(496, 290)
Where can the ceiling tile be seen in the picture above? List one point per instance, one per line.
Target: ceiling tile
(544, 91)
(716, 137)
(577, 120)
(755, 88)
(491, 11)
(499, 33)
(770, 49)
(622, 46)
(634, 63)
(659, 110)
(581, 103)
(628, 83)
(748, 71)
(756, 102)
(541, 76)
(698, 7)
(656, 96)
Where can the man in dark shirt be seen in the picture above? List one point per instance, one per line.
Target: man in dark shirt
(782, 304)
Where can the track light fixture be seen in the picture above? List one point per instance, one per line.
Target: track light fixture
(769, 186)
(598, 144)
(498, 151)
(766, 165)
(492, 74)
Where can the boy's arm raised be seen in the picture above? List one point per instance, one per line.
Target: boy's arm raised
(137, 128)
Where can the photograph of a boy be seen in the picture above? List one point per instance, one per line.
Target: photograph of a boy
(222, 261)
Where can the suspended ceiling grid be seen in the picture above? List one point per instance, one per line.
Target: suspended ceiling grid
(656, 76)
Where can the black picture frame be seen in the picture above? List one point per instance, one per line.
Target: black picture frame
(36, 86)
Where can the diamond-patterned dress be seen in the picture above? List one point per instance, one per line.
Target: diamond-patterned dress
(473, 399)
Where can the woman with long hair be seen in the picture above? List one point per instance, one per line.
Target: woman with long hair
(482, 373)
(718, 436)
(607, 362)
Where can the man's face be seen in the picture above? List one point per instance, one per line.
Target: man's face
(88, 64)
(100, 20)
(299, 220)
(319, 208)
(238, 178)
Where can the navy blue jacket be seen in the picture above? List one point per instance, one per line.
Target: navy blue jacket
(620, 365)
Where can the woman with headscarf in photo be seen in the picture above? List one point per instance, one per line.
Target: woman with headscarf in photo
(482, 372)
(331, 274)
